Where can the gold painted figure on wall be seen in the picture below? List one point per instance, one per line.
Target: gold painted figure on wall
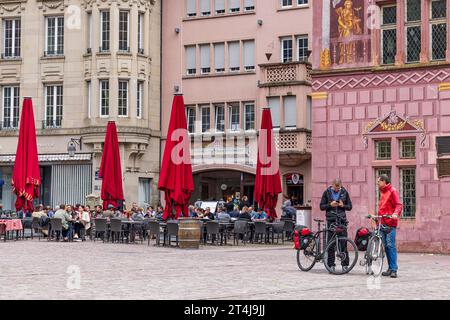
(348, 25)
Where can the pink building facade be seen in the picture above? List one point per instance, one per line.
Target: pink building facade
(230, 59)
(381, 104)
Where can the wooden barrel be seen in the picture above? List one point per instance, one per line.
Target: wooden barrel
(189, 233)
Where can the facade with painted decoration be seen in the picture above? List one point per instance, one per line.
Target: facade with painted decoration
(381, 104)
(84, 63)
(231, 58)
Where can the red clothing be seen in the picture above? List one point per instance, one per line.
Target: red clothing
(389, 204)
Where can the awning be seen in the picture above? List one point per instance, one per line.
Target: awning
(51, 157)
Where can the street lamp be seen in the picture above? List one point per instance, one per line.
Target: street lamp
(71, 146)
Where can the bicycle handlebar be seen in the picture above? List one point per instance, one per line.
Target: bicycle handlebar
(377, 217)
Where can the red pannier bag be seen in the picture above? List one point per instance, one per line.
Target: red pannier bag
(362, 238)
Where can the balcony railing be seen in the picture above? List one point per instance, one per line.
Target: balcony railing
(276, 74)
(51, 124)
(9, 125)
(295, 140)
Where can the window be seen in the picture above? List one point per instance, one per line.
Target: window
(438, 28)
(234, 56)
(191, 8)
(302, 48)
(388, 34)
(302, 2)
(274, 105)
(204, 58)
(286, 49)
(219, 6)
(249, 5)
(190, 115)
(205, 7)
(10, 107)
(206, 118)
(290, 112)
(407, 149)
(286, 3)
(104, 31)
(249, 55)
(443, 145)
(123, 31)
(308, 112)
(89, 32)
(234, 116)
(123, 98)
(55, 36)
(145, 192)
(413, 34)
(249, 109)
(383, 150)
(139, 99)
(408, 191)
(53, 106)
(190, 60)
(104, 98)
(378, 173)
(141, 33)
(220, 118)
(234, 5)
(11, 38)
(219, 57)
(88, 95)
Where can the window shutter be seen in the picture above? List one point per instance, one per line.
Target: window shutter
(249, 53)
(219, 55)
(219, 5)
(233, 48)
(274, 105)
(190, 57)
(290, 111)
(249, 3)
(205, 6)
(234, 4)
(204, 54)
(191, 6)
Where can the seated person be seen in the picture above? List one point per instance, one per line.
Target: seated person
(208, 214)
(288, 211)
(235, 212)
(159, 214)
(222, 215)
(192, 212)
(65, 219)
(150, 213)
(245, 215)
(138, 215)
(200, 213)
(260, 215)
(85, 222)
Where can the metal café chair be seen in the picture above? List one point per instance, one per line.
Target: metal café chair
(172, 231)
(55, 228)
(36, 226)
(277, 228)
(260, 231)
(213, 231)
(116, 230)
(289, 226)
(3, 231)
(154, 230)
(240, 229)
(101, 227)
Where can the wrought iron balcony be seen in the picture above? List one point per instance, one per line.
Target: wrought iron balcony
(282, 74)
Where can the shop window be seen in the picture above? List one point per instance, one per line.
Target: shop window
(295, 187)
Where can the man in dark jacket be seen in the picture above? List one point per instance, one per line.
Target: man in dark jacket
(335, 202)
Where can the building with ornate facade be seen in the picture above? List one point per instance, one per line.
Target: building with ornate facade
(381, 105)
(84, 63)
(230, 59)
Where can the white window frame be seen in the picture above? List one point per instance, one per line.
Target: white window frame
(216, 122)
(297, 41)
(249, 68)
(14, 37)
(234, 10)
(282, 41)
(194, 111)
(57, 19)
(11, 107)
(246, 104)
(235, 68)
(207, 118)
(203, 68)
(127, 31)
(89, 30)
(139, 98)
(102, 31)
(205, 13)
(283, 5)
(219, 11)
(191, 14)
(140, 39)
(106, 115)
(54, 104)
(89, 97)
(249, 8)
(127, 104)
(230, 117)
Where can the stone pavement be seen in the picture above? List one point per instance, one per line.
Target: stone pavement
(32, 269)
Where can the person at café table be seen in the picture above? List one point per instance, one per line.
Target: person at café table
(109, 212)
(200, 213)
(65, 217)
(223, 215)
(208, 214)
(260, 215)
(251, 211)
(192, 212)
(159, 214)
(150, 213)
(138, 215)
(245, 215)
(235, 212)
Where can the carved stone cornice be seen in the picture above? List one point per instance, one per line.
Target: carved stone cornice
(139, 3)
(45, 5)
(12, 6)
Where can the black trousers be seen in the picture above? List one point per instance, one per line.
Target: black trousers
(342, 248)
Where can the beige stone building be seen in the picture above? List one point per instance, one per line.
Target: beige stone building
(84, 63)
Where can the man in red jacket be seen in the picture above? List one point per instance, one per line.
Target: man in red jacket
(389, 205)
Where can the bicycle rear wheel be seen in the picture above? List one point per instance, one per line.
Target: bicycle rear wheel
(375, 255)
(340, 260)
(306, 259)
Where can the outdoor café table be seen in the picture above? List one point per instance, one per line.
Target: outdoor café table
(12, 225)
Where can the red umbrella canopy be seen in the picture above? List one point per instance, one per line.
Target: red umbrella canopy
(111, 169)
(267, 182)
(26, 178)
(176, 170)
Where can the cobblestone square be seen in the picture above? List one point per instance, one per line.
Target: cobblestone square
(33, 269)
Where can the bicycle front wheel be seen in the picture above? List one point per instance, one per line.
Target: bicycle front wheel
(342, 258)
(306, 259)
(375, 254)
